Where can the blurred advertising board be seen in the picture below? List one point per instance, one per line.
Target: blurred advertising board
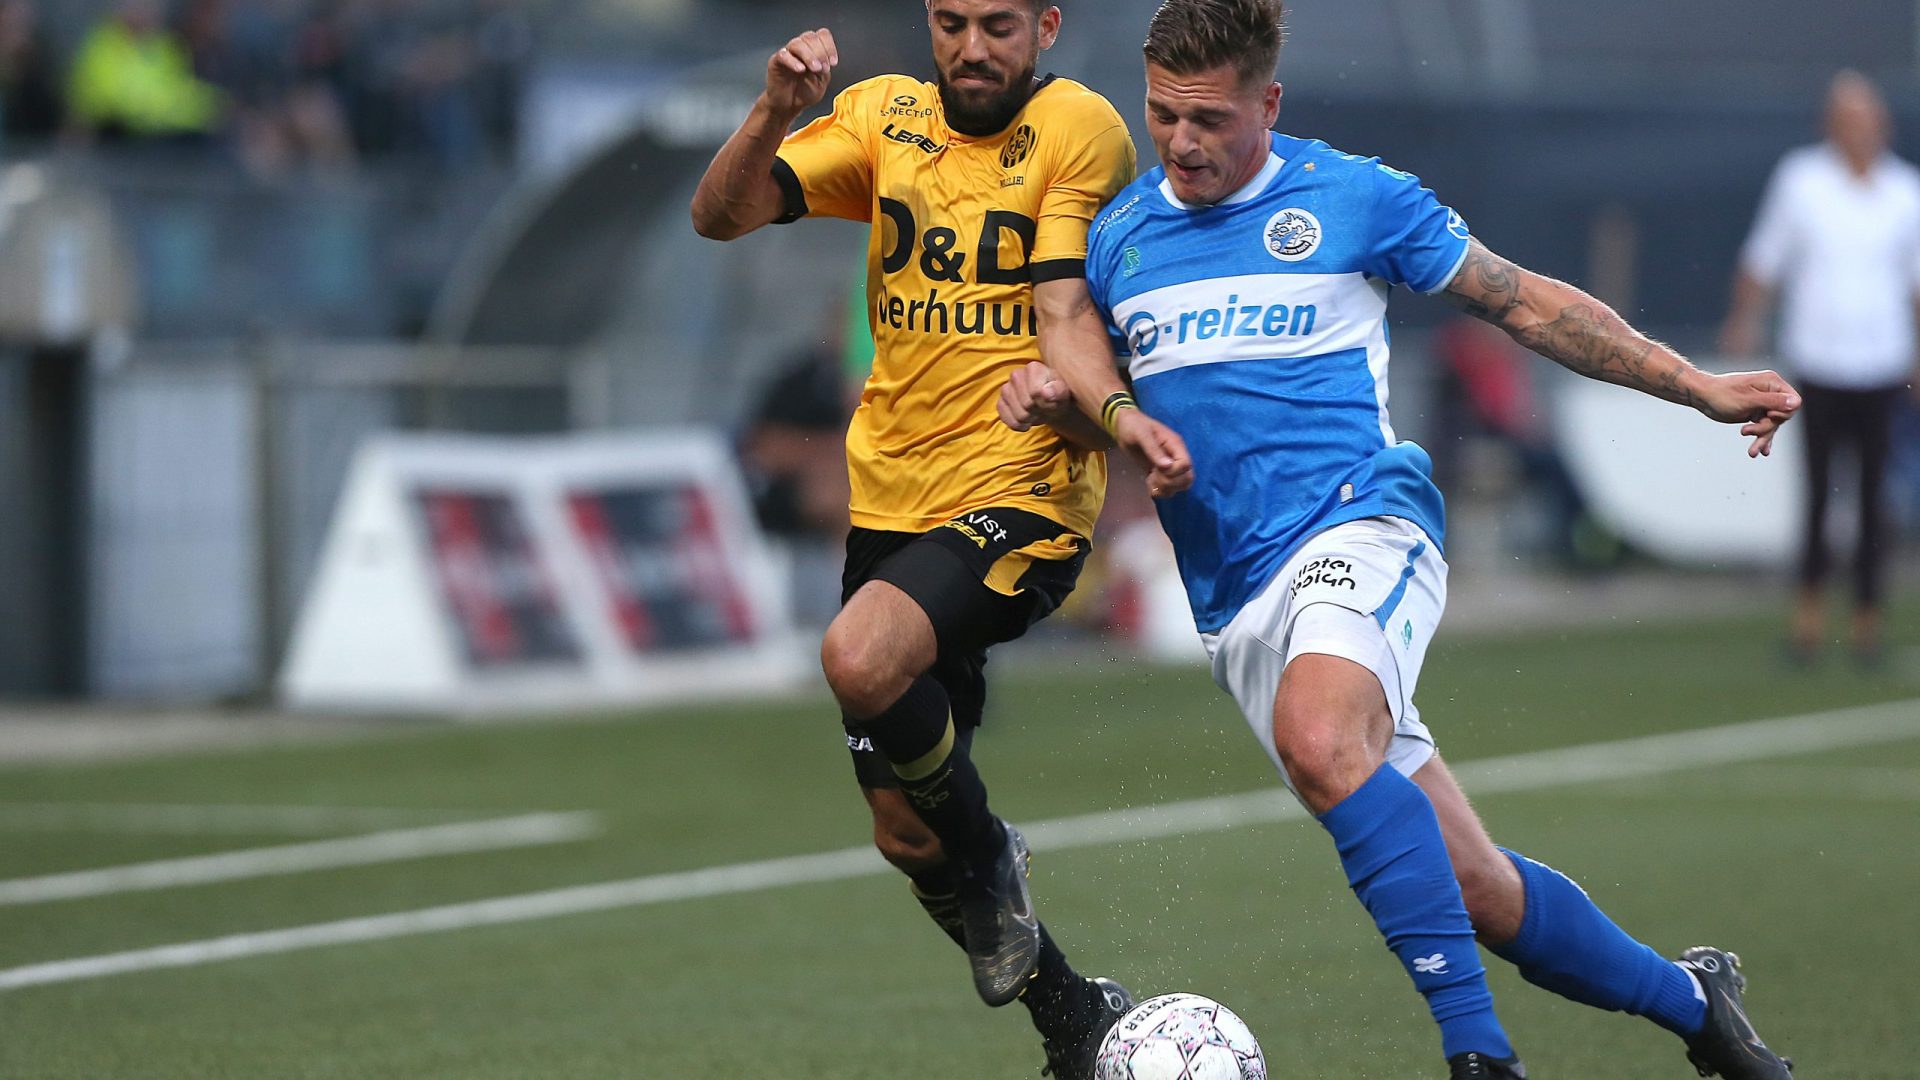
(484, 574)
(1676, 486)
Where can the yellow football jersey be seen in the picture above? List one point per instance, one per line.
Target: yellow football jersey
(962, 228)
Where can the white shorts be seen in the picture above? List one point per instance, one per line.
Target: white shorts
(1369, 591)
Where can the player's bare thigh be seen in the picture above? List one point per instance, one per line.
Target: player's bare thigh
(1331, 727)
(873, 650)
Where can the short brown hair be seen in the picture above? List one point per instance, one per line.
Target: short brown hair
(1187, 37)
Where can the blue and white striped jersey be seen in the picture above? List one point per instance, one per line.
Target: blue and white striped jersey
(1257, 329)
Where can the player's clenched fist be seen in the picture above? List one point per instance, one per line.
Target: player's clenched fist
(1033, 395)
(798, 74)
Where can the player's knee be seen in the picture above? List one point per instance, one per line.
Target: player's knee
(857, 671)
(1322, 755)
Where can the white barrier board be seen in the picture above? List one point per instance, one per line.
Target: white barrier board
(484, 574)
(1676, 485)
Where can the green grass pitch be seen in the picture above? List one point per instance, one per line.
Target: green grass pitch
(1808, 865)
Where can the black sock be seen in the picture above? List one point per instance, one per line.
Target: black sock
(916, 735)
(942, 880)
(1057, 996)
(938, 891)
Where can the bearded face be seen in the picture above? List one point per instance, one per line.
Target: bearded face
(985, 53)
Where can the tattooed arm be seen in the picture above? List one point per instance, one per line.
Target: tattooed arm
(1582, 334)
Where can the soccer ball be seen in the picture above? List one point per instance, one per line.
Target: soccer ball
(1180, 1037)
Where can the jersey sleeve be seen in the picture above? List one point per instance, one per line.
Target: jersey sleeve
(1100, 275)
(1770, 245)
(826, 168)
(1090, 175)
(1416, 241)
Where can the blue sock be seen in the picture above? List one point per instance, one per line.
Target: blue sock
(1396, 860)
(1569, 946)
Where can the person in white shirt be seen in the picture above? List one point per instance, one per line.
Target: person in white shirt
(1837, 240)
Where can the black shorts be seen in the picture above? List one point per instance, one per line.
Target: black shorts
(981, 582)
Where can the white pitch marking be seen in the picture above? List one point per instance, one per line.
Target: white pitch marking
(1828, 783)
(206, 820)
(455, 839)
(1863, 726)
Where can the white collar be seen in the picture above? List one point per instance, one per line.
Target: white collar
(1246, 192)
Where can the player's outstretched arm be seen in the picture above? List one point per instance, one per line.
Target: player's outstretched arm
(1074, 344)
(1578, 332)
(739, 193)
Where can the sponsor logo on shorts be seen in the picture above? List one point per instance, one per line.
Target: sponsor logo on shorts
(1406, 635)
(979, 528)
(1329, 571)
(860, 744)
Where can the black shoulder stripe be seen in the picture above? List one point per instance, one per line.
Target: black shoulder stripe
(791, 192)
(1058, 270)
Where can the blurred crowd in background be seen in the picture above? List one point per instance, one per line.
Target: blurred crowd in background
(273, 85)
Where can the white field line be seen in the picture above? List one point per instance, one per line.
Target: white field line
(214, 819)
(1865, 783)
(455, 839)
(1865, 726)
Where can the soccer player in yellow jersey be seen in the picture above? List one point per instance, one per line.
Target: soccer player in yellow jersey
(979, 187)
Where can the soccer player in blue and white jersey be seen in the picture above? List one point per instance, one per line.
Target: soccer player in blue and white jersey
(1247, 281)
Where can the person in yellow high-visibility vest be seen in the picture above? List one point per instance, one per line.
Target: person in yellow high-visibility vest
(132, 77)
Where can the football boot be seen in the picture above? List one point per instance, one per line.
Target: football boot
(1727, 1046)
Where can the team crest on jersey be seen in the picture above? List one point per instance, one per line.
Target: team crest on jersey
(1019, 145)
(1293, 234)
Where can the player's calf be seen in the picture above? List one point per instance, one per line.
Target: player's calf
(903, 839)
(1396, 862)
(1566, 944)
